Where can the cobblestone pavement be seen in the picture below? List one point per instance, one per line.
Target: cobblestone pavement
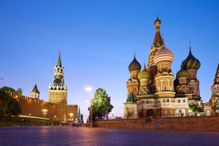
(67, 136)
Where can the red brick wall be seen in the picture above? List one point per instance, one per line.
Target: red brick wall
(195, 124)
(34, 107)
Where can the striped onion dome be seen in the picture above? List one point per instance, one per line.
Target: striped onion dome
(164, 54)
(190, 62)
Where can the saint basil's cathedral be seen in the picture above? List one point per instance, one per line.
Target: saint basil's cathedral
(152, 90)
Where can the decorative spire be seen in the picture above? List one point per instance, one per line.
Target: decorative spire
(216, 79)
(59, 60)
(190, 47)
(158, 41)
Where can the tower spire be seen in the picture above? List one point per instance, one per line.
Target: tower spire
(59, 60)
(158, 41)
(190, 47)
(216, 79)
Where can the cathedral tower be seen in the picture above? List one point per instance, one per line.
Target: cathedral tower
(164, 78)
(133, 83)
(58, 91)
(191, 65)
(215, 89)
(157, 44)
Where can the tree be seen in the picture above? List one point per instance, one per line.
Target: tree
(195, 108)
(101, 105)
(19, 92)
(8, 89)
(8, 106)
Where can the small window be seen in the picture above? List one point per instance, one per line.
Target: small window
(179, 101)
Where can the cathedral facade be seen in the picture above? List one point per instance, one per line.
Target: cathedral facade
(153, 91)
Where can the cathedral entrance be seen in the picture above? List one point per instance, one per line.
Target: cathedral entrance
(150, 113)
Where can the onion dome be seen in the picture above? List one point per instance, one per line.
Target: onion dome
(144, 74)
(164, 54)
(131, 98)
(35, 89)
(134, 65)
(182, 73)
(190, 62)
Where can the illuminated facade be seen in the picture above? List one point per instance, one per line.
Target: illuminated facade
(56, 108)
(153, 91)
(215, 89)
(58, 90)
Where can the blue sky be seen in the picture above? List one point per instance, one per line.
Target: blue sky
(97, 41)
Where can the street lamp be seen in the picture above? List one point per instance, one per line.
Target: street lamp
(44, 112)
(71, 116)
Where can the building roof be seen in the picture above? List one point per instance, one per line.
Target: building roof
(134, 65)
(182, 73)
(144, 74)
(216, 79)
(59, 63)
(163, 54)
(190, 62)
(130, 98)
(35, 89)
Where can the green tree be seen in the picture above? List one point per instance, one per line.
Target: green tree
(101, 105)
(19, 92)
(8, 106)
(8, 89)
(195, 108)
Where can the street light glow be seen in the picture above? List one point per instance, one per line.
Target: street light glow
(88, 89)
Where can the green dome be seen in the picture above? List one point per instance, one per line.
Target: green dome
(134, 65)
(190, 62)
(182, 73)
(144, 74)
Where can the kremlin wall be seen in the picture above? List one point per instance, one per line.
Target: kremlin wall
(192, 124)
(56, 109)
(34, 107)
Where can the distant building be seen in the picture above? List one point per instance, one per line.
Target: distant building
(56, 108)
(215, 89)
(212, 107)
(35, 93)
(58, 91)
(153, 92)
